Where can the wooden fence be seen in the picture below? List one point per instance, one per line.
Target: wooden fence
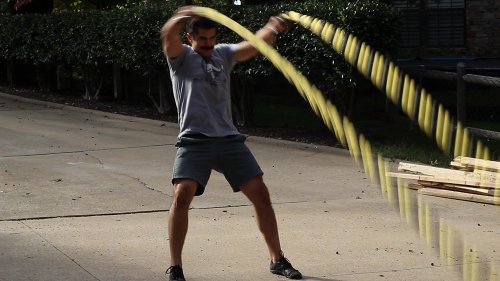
(461, 78)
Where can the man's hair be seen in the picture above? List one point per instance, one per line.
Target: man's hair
(199, 22)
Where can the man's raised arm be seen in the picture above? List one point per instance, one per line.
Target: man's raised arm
(268, 33)
(170, 39)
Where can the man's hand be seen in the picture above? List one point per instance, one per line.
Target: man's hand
(184, 11)
(280, 24)
(269, 33)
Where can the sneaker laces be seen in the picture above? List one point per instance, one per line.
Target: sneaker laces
(284, 262)
(175, 272)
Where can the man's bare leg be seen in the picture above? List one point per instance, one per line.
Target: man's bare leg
(184, 191)
(258, 194)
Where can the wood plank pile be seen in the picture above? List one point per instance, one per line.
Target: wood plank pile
(468, 179)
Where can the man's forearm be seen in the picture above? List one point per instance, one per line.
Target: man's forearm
(170, 34)
(268, 33)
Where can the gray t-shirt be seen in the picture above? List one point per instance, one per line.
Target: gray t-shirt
(202, 92)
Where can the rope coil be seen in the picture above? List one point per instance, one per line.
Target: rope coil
(399, 87)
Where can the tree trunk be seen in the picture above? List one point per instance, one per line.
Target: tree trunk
(87, 82)
(93, 83)
(118, 89)
(62, 82)
(241, 99)
(43, 76)
(10, 72)
(166, 93)
(165, 103)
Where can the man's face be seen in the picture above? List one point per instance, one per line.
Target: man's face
(203, 41)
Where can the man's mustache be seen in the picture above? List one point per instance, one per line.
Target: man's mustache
(207, 48)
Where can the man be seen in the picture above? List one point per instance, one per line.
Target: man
(208, 139)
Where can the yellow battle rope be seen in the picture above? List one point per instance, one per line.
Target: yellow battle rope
(400, 88)
(450, 244)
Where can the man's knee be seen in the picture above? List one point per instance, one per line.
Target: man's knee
(184, 191)
(256, 190)
(256, 183)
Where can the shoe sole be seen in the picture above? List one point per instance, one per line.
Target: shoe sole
(280, 273)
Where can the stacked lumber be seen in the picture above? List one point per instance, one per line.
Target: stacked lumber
(467, 179)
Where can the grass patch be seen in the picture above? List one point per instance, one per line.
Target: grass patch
(414, 152)
(396, 137)
(286, 116)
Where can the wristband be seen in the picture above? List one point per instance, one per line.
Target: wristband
(280, 19)
(179, 18)
(274, 30)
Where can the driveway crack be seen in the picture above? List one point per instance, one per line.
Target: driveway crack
(145, 184)
(60, 251)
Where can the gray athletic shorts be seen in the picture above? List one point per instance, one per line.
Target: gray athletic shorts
(197, 155)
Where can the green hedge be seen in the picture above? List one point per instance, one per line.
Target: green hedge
(130, 36)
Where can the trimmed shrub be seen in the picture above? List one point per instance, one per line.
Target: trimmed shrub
(129, 37)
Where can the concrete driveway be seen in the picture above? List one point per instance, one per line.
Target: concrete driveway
(84, 195)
